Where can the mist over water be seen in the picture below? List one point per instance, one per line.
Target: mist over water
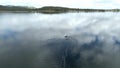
(71, 40)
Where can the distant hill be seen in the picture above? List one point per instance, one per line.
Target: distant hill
(51, 9)
(13, 8)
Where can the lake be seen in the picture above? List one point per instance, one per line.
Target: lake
(67, 40)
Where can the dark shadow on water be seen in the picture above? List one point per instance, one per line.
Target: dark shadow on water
(54, 53)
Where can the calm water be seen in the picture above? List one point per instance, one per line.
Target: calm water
(71, 40)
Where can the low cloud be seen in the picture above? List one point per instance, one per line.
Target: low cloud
(105, 4)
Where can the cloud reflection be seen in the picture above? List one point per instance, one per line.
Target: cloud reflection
(38, 40)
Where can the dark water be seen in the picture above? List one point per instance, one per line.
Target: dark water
(71, 40)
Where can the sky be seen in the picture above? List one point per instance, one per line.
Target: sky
(106, 4)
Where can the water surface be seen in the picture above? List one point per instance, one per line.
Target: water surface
(71, 40)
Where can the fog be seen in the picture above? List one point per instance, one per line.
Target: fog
(71, 40)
